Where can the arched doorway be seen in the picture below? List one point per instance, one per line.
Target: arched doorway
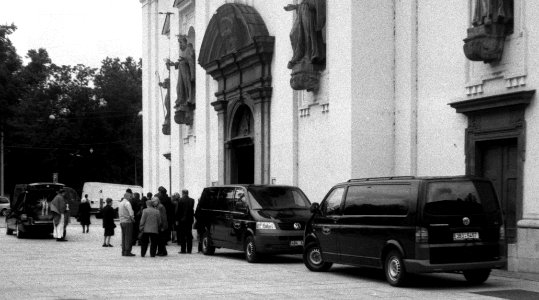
(241, 149)
(237, 51)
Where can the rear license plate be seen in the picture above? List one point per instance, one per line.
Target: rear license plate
(296, 243)
(465, 236)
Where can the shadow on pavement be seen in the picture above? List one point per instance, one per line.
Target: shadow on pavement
(35, 236)
(264, 259)
(432, 281)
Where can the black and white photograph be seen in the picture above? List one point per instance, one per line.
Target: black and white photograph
(269, 149)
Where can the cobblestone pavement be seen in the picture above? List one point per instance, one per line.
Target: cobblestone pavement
(38, 268)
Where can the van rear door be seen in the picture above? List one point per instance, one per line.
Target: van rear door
(466, 213)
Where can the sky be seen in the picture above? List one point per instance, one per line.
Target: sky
(75, 31)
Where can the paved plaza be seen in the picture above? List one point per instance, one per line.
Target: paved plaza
(81, 268)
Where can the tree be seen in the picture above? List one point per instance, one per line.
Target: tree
(91, 110)
(119, 88)
(10, 64)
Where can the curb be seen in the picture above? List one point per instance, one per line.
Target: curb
(516, 275)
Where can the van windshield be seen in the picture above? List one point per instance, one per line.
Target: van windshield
(458, 197)
(277, 198)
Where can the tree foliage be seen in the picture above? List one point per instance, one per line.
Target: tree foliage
(77, 121)
(10, 64)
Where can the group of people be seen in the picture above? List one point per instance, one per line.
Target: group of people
(153, 221)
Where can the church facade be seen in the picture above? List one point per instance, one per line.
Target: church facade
(314, 92)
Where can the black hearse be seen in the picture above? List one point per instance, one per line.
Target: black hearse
(409, 225)
(257, 219)
(30, 209)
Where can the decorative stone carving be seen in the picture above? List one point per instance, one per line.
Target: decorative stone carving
(308, 45)
(237, 52)
(166, 124)
(492, 22)
(185, 102)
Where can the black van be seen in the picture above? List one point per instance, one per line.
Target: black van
(30, 209)
(409, 225)
(256, 219)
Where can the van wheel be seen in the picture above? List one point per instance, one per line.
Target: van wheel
(394, 269)
(250, 250)
(4, 212)
(207, 247)
(312, 258)
(9, 231)
(476, 276)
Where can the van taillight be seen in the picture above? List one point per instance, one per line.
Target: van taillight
(421, 235)
(502, 233)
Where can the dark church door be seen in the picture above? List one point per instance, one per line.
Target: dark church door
(498, 162)
(243, 164)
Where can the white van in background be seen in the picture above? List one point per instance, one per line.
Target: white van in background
(98, 192)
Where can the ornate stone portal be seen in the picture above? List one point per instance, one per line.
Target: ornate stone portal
(309, 47)
(492, 22)
(237, 52)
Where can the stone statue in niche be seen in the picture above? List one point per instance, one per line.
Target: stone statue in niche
(166, 125)
(185, 102)
(492, 22)
(308, 44)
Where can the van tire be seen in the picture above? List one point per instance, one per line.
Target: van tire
(9, 231)
(250, 250)
(20, 234)
(394, 268)
(207, 245)
(312, 258)
(476, 276)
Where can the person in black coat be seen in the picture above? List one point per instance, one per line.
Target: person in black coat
(164, 199)
(184, 220)
(84, 214)
(136, 204)
(108, 222)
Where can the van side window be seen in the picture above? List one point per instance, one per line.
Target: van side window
(239, 200)
(208, 200)
(332, 204)
(226, 199)
(377, 200)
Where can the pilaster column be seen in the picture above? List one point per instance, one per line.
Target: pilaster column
(220, 107)
(261, 100)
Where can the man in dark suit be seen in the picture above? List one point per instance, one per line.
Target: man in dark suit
(184, 220)
(164, 199)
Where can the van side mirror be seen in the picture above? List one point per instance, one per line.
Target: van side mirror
(315, 208)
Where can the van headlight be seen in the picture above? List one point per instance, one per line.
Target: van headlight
(265, 225)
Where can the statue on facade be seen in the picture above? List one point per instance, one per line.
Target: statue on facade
(166, 125)
(185, 102)
(492, 21)
(308, 44)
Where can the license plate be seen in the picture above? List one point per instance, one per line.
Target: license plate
(465, 236)
(296, 243)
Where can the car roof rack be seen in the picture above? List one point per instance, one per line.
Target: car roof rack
(381, 178)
